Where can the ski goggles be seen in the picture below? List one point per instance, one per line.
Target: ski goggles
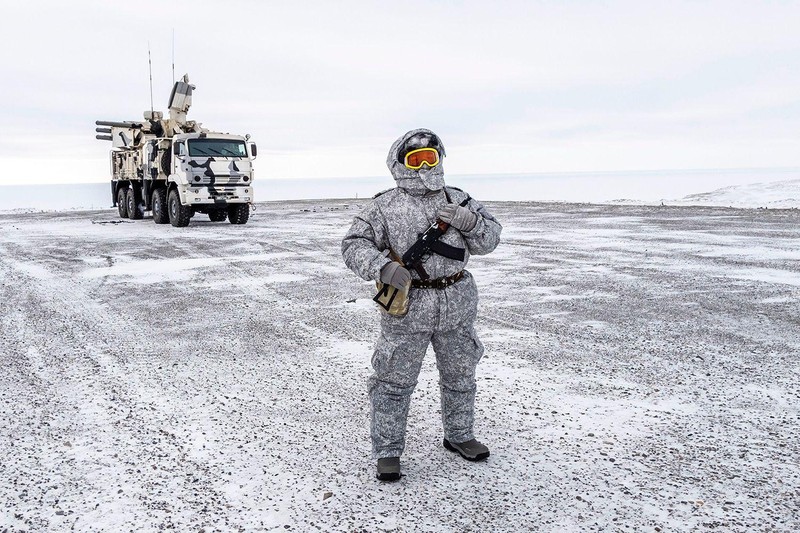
(422, 156)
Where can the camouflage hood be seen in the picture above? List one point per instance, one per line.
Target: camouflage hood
(416, 181)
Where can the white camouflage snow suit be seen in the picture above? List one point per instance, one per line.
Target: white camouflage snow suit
(444, 317)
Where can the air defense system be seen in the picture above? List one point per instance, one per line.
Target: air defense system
(176, 168)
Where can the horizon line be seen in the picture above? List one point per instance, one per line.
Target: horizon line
(471, 175)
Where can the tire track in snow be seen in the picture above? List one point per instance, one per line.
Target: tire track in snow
(115, 432)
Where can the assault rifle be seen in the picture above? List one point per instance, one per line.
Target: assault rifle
(413, 258)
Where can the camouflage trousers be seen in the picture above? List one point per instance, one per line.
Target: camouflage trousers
(443, 318)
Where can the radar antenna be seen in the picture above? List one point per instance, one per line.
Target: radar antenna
(150, 64)
(173, 56)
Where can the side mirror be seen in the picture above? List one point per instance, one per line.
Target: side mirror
(177, 149)
(253, 150)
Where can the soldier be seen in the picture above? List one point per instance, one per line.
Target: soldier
(441, 308)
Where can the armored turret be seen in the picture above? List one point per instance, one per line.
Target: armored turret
(130, 134)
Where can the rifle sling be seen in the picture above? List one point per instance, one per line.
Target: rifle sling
(448, 251)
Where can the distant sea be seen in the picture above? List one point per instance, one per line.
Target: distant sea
(645, 186)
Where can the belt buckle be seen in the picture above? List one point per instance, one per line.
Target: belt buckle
(441, 283)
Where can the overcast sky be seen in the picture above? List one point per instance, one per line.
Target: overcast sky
(325, 87)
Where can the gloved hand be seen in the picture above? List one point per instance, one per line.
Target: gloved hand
(395, 274)
(459, 217)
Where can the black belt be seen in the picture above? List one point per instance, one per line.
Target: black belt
(438, 283)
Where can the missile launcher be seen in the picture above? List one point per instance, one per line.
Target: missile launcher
(175, 168)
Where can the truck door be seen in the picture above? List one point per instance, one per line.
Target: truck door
(179, 156)
(150, 163)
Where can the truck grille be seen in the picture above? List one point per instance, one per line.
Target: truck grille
(219, 180)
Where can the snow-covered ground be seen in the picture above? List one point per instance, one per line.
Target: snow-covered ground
(642, 373)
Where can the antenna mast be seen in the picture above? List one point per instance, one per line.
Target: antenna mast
(173, 56)
(150, 63)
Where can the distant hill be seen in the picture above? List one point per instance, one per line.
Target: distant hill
(775, 195)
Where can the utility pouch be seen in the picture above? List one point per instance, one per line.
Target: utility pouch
(392, 300)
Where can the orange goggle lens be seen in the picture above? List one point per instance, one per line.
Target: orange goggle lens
(422, 156)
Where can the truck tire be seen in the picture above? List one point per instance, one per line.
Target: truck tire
(217, 216)
(135, 210)
(238, 213)
(179, 215)
(122, 202)
(160, 212)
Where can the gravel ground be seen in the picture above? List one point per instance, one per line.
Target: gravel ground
(641, 374)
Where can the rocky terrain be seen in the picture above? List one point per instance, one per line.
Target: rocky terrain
(641, 374)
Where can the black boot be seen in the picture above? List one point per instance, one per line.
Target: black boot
(389, 469)
(472, 450)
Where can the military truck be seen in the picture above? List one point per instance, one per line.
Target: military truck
(176, 168)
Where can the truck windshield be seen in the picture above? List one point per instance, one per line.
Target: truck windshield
(218, 147)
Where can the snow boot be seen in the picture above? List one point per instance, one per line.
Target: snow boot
(389, 469)
(472, 450)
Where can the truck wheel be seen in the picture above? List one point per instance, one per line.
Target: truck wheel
(122, 202)
(217, 216)
(238, 213)
(160, 214)
(179, 215)
(134, 209)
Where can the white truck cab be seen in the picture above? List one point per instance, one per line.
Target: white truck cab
(212, 168)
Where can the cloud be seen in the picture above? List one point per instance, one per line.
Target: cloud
(313, 80)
